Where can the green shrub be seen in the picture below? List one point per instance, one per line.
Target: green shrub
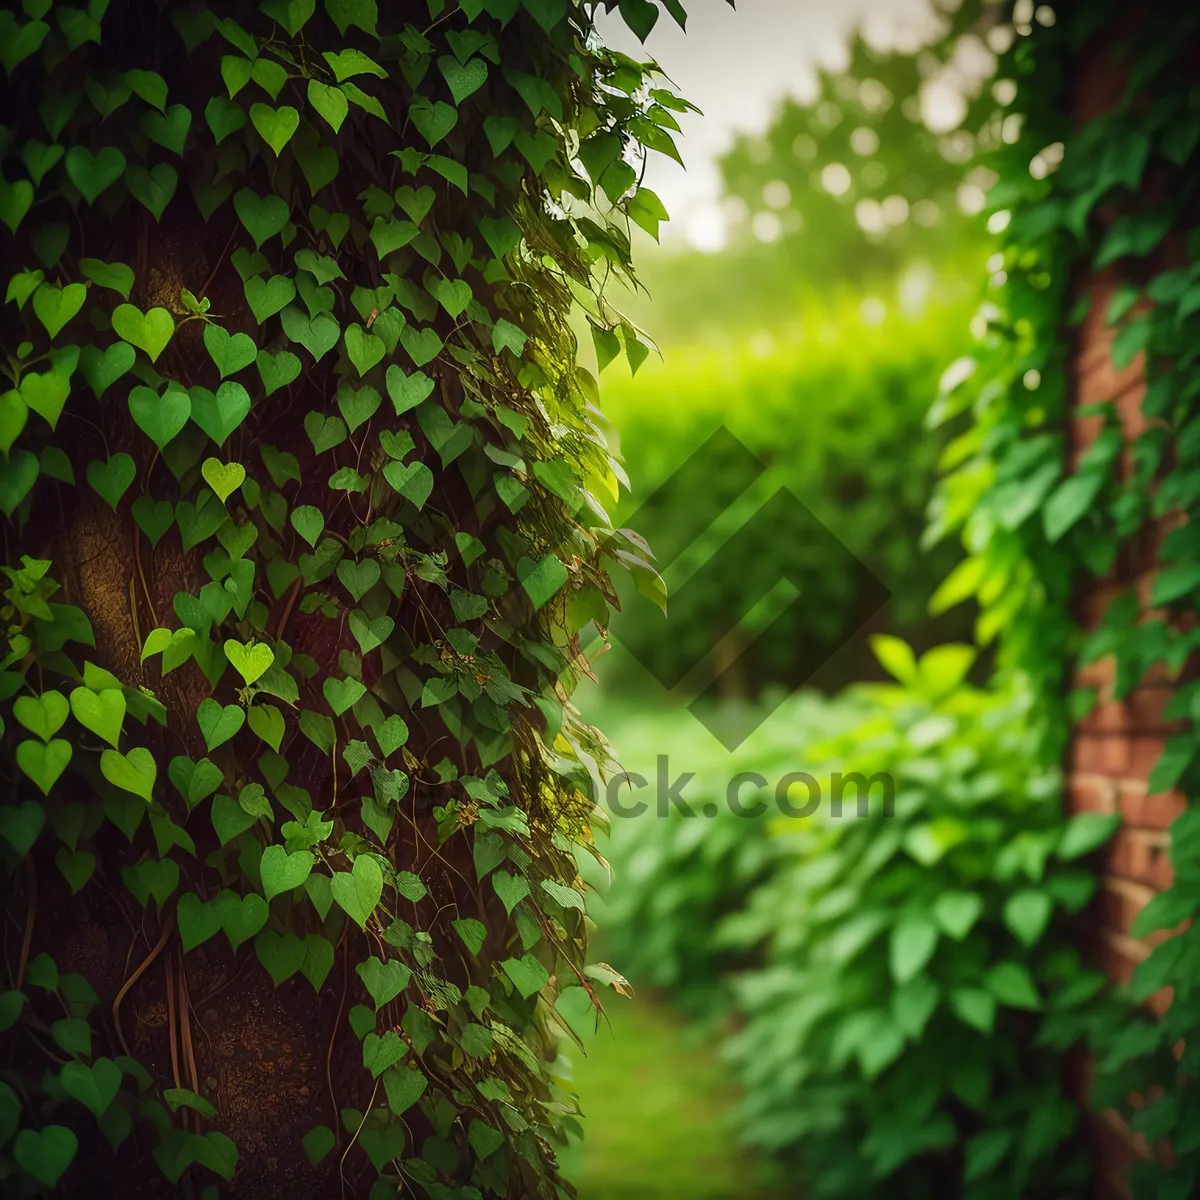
(835, 414)
(903, 984)
(914, 980)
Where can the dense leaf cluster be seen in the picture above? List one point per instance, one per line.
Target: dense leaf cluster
(304, 509)
(1035, 525)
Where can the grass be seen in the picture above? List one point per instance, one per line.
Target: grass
(655, 1098)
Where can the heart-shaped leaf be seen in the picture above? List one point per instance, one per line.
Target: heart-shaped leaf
(223, 478)
(432, 120)
(277, 370)
(169, 129)
(242, 916)
(95, 1086)
(379, 1053)
(55, 306)
(358, 578)
(407, 391)
(17, 479)
(330, 102)
(218, 723)
(358, 891)
(112, 478)
(281, 954)
(160, 418)
(250, 660)
(383, 980)
(404, 1087)
(16, 199)
(133, 772)
(94, 174)
(21, 824)
(154, 517)
(45, 1154)
(220, 413)
(46, 394)
(453, 295)
(152, 188)
(275, 125)
(281, 871)
(102, 712)
(267, 722)
(267, 296)
(370, 633)
(390, 233)
(414, 481)
(415, 202)
(150, 331)
(197, 921)
(42, 715)
(364, 349)
(391, 734)
(422, 345)
(342, 693)
(102, 368)
(463, 79)
(308, 522)
(231, 352)
(224, 117)
(263, 216)
(318, 334)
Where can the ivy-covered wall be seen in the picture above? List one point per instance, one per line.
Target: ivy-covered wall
(1075, 489)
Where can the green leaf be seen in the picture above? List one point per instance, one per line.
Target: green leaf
(432, 120)
(403, 1086)
(277, 370)
(1087, 832)
(102, 712)
(249, 659)
(974, 1007)
(55, 306)
(21, 824)
(220, 413)
(230, 352)
(358, 891)
(223, 478)
(150, 331)
(45, 1154)
(527, 973)
(542, 580)
(1027, 913)
(383, 980)
(160, 418)
(957, 912)
(275, 125)
(218, 723)
(153, 188)
(317, 1143)
(1011, 984)
(262, 216)
(330, 102)
(133, 772)
(94, 1086)
(92, 174)
(463, 79)
(472, 932)
(42, 715)
(111, 479)
(268, 296)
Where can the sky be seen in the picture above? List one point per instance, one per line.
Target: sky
(737, 67)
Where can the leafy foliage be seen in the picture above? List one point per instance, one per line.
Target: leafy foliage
(834, 413)
(1035, 527)
(902, 973)
(288, 600)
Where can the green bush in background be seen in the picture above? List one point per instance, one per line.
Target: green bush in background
(834, 411)
(903, 983)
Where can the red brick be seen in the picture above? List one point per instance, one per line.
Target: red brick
(1140, 855)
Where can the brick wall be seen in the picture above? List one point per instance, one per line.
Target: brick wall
(1113, 749)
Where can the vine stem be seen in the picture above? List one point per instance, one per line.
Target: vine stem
(366, 1114)
(168, 926)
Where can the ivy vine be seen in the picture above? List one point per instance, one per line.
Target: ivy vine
(305, 508)
(1038, 528)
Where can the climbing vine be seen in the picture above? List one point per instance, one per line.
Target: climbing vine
(304, 510)
(1037, 526)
